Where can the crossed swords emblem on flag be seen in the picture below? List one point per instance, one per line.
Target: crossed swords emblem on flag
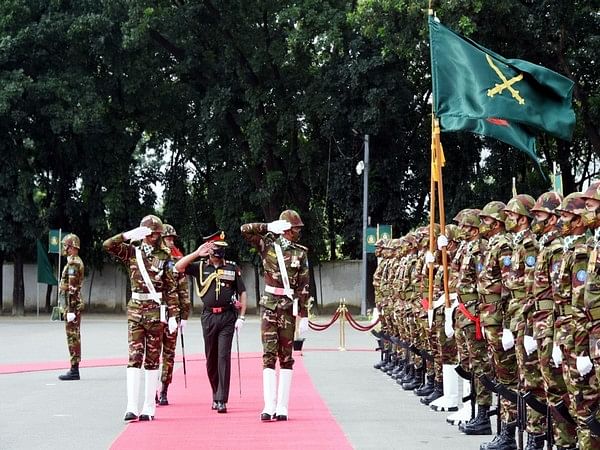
(506, 83)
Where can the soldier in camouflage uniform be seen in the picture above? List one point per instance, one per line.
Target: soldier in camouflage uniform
(467, 319)
(569, 326)
(382, 263)
(542, 315)
(519, 311)
(591, 310)
(444, 350)
(493, 296)
(169, 340)
(71, 281)
(153, 291)
(285, 264)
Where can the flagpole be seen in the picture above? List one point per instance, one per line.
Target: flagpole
(431, 224)
(440, 185)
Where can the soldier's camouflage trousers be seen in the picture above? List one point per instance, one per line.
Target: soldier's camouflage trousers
(145, 332)
(277, 332)
(554, 383)
(479, 363)
(505, 367)
(73, 330)
(169, 343)
(531, 377)
(583, 391)
(462, 349)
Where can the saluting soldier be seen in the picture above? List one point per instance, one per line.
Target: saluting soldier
(285, 264)
(153, 294)
(219, 284)
(71, 281)
(169, 340)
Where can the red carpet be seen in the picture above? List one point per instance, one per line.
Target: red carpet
(189, 423)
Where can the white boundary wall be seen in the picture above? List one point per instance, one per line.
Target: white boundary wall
(107, 291)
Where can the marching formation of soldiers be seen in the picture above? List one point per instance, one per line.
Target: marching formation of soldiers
(522, 320)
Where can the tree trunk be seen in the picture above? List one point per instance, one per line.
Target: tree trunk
(18, 308)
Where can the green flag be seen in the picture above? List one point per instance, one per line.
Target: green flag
(45, 273)
(478, 90)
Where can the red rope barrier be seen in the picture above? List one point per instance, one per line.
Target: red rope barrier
(354, 324)
(323, 327)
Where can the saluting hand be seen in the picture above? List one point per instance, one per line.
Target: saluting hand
(205, 249)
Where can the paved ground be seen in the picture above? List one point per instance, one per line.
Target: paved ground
(39, 411)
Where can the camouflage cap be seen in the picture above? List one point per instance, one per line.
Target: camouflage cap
(292, 217)
(520, 204)
(152, 222)
(547, 202)
(71, 240)
(495, 210)
(573, 203)
(593, 191)
(168, 230)
(470, 218)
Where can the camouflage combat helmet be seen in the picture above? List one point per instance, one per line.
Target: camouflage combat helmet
(495, 210)
(169, 230)
(152, 222)
(593, 191)
(71, 240)
(453, 232)
(520, 204)
(573, 203)
(292, 217)
(547, 202)
(470, 218)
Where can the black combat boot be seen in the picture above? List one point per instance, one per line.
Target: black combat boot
(406, 374)
(505, 440)
(426, 388)
(415, 381)
(379, 364)
(392, 365)
(163, 401)
(72, 374)
(535, 441)
(438, 392)
(481, 424)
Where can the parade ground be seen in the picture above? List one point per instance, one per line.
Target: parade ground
(338, 399)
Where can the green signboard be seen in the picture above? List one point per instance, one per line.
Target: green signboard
(375, 233)
(54, 238)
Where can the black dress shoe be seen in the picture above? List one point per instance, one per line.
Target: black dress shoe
(222, 407)
(129, 416)
(265, 417)
(215, 406)
(280, 417)
(145, 418)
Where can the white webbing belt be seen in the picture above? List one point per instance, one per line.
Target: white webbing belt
(284, 277)
(153, 295)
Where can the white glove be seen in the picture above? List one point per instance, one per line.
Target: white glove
(279, 226)
(137, 234)
(70, 317)
(442, 241)
(239, 323)
(303, 325)
(508, 339)
(448, 327)
(530, 345)
(429, 258)
(172, 324)
(584, 365)
(375, 315)
(556, 355)
(182, 324)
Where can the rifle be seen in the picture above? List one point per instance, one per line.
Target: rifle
(183, 356)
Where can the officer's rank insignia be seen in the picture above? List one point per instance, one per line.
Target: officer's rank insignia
(581, 275)
(530, 261)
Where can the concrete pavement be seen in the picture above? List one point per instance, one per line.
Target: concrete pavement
(39, 411)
